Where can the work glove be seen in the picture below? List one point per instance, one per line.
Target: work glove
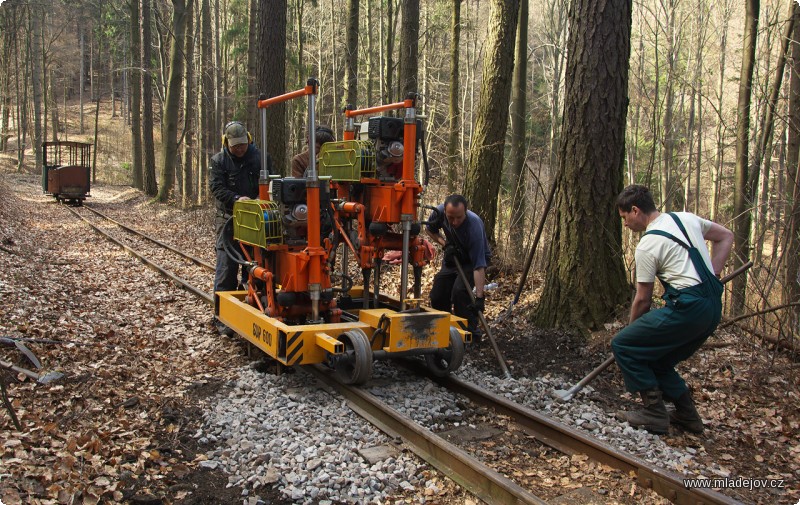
(478, 305)
(450, 252)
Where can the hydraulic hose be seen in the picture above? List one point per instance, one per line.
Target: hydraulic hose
(232, 253)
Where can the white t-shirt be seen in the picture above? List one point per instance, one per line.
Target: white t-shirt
(662, 257)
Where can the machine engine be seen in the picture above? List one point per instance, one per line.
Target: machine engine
(290, 194)
(386, 133)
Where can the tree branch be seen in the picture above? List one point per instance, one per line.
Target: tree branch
(759, 313)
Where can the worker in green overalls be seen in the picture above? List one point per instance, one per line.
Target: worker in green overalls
(673, 248)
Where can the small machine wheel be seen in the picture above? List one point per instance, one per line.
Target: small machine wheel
(357, 368)
(447, 360)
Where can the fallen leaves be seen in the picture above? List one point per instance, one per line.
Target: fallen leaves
(127, 343)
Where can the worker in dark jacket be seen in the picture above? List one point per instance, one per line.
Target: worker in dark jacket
(673, 250)
(234, 174)
(464, 238)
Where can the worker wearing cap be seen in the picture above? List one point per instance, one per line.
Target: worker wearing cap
(302, 160)
(672, 249)
(233, 175)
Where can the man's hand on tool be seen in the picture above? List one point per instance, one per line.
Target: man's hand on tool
(450, 252)
(479, 305)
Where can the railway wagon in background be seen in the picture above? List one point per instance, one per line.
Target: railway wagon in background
(65, 170)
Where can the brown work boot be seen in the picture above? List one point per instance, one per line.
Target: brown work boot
(686, 414)
(653, 417)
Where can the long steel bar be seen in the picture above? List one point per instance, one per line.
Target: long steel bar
(489, 485)
(484, 323)
(196, 261)
(181, 282)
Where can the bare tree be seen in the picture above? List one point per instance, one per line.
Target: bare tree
(409, 48)
(208, 133)
(791, 255)
(519, 97)
(136, 96)
(454, 112)
(189, 105)
(36, 80)
(726, 13)
(169, 123)
(741, 202)
(767, 126)
(351, 54)
(149, 180)
(251, 118)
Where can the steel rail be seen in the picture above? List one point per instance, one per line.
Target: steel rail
(163, 271)
(466, 470)
(196, 261)
(570, 440)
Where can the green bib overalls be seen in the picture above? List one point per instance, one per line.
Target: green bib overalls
(648, 349)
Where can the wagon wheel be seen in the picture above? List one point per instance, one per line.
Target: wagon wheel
(447, 360)
(356, 368)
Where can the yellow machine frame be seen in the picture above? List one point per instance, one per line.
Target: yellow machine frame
(314, 343)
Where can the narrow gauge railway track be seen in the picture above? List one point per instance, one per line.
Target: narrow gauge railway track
(454, 462)
(193, 259)
(163, 270)
(570, 440)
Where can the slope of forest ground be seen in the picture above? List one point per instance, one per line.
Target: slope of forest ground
(139, 353)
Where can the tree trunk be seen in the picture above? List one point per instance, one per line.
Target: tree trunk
(149, 181)
(9, 32)
(125, 101)
(208, 133)
(409, 48)
(351, 55)
(557, 41)
(22, 96)
(389, 53)
(53, 100)
(272, 75)
(251, 117)
(370, 53)
(94, 147)
(220, 75)
(169, 123)
(764, 148)
(741, 200)
(111, 84)
(791, 286)
(518, 139)
(302, 75)
(454, 112)
(136, 96)
(669, 185)
(486, 153)
(584, 253)
(45, 76)
(36, 80)
(720, 158)
(81, 79)
(189, 112)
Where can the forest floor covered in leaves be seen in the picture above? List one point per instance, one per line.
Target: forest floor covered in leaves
(138, 354)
